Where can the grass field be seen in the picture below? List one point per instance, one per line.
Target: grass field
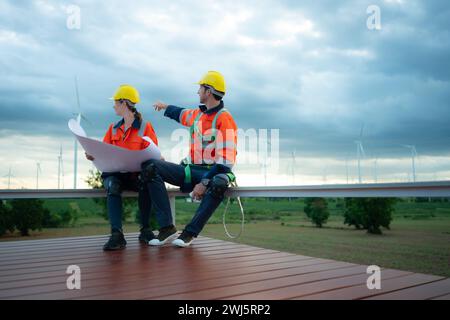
(418, 240)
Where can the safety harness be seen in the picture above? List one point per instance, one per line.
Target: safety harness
(187, 162)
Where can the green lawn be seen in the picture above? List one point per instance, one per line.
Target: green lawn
(414, 245)
(418, 240)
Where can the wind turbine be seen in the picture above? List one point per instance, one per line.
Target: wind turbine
(60, 168)
(263, 170)
(264, 163)
(263, 166)
(360, 152)
(413, 159)
(293, 166)
(38, 170)
(9, 175)
(346, 166)
(376, 169)
(79, 116)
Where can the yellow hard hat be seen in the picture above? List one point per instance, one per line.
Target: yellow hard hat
(214, 79)
(125, 91)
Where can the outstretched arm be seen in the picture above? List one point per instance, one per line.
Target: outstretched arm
(180, 115)
(158, 105)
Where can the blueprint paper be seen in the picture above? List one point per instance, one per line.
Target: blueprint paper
(109, 158)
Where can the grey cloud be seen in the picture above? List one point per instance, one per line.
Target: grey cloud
(401, 92)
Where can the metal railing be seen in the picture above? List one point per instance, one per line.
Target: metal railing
(433, 189)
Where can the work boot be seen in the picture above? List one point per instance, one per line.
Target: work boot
(165, 234)
(184, 240)
(146, 235)
(116, 242)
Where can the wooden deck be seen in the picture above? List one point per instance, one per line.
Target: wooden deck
(209, 269)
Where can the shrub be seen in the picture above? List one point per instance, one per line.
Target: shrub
(316, 209)
(28, 214)
(6, 221)
(369, 213)
(51, 220)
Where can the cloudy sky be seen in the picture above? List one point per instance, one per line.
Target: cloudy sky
(312, 70)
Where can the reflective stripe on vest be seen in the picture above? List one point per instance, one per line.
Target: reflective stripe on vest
(195, 130)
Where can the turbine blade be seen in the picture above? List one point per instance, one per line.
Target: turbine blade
(362, 150)
(76, 92)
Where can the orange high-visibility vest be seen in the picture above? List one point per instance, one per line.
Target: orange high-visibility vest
(132, 138)
(213, 137)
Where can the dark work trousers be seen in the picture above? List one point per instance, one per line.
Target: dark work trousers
(117, 182)
(174, 174)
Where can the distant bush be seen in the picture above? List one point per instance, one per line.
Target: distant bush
(64, 218)
(369, 213)
(51, 220)
(340, 204)
(27, 214)
(316, 209)
(6, 221)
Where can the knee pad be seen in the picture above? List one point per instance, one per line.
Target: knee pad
(219, 185)
(113, 187)
(148, 172)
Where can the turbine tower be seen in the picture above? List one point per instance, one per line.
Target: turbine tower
(78, 116)
(9, 175)
(376, 169)
(265, 161)
(346, 166)
(360, 152)
(60, 168)
(293, 166)
(38, 170)
(413, 159)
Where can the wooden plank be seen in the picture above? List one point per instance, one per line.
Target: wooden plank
(127, 264)
(249, 291)
(143, 251)
(422, 292)
(209, 269)
(52, 255)
(145, 258)
(171, 272)
(98, 252)
(444, 297)
(310, 286)
(359, 292)
(220, 280)
(27, 243)
(11, 246)
(94, 243)
(56, 277)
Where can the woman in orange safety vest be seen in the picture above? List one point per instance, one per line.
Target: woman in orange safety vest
(128, 133)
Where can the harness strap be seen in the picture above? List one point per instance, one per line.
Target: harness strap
(187, 162)
(194, 129)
